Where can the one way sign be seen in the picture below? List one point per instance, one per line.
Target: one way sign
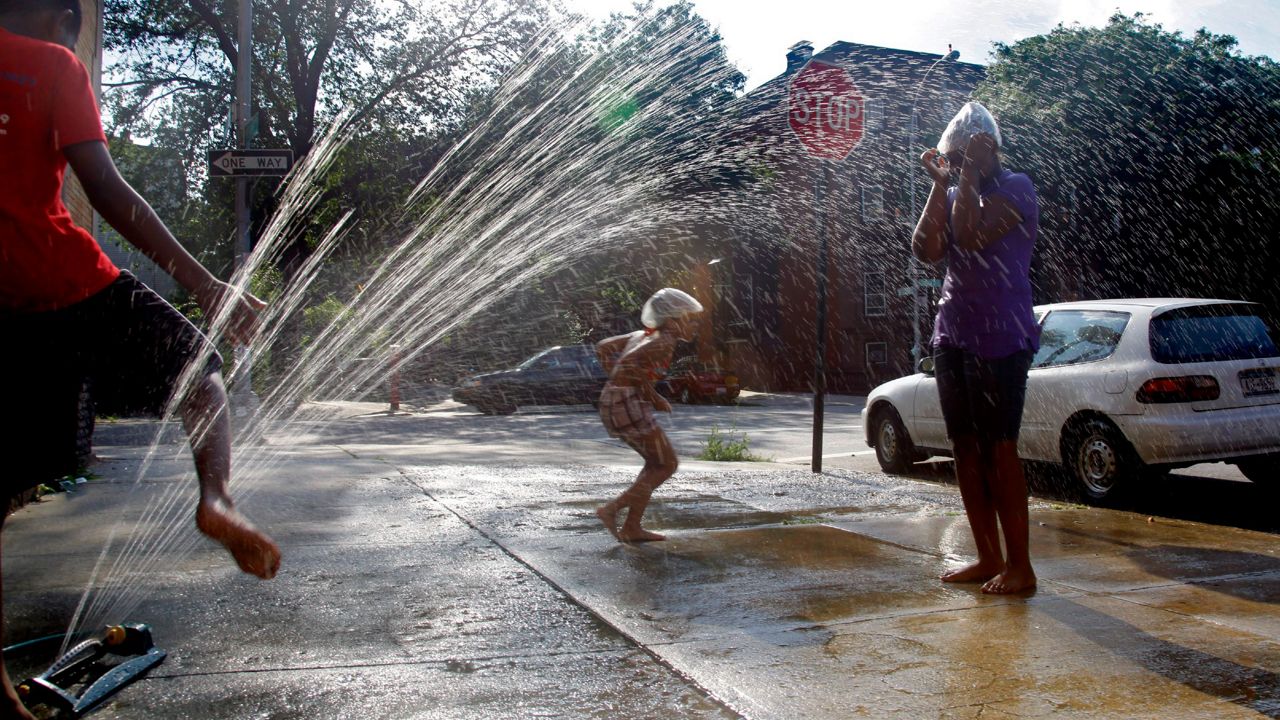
(229, 163)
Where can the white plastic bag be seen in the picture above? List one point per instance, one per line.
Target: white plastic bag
(668, 303)
(972, 119)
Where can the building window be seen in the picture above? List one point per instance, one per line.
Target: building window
(874, 297)
(877, 353)
(872, 202)
(873, 119)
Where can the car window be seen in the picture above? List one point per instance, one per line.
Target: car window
(548, 359)
(1207, 333)
(1075, 336)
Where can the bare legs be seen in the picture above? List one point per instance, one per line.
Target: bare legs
(994, 490)
(659, 464)
(1010, 493)
(208, 424)
(10, 705)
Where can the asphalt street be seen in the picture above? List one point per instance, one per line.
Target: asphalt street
(444, 564)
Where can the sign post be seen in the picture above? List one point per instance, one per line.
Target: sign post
(825, 112)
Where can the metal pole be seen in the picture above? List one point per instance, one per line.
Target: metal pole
(244, 88)
(916, 350)
(820, 362)
(915, 264)
(246, 401)
(395, 379)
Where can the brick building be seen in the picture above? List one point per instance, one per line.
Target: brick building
(762, 291)
(124, 255)
(89, 50)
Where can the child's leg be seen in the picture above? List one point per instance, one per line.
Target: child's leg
(971, 475)
(1009, 492)
(660, 464)
(208, 424)
(10, 705)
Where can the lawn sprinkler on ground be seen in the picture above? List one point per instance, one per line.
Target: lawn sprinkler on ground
(99, 667)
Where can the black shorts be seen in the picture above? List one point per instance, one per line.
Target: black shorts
(981, 397)
(126, 342)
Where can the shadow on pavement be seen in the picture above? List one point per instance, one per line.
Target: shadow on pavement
(1171, 561)
(1179, 496)
(1250, 687)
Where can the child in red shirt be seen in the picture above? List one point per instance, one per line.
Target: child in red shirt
(67, 313)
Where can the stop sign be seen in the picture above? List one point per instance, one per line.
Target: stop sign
(824, 109)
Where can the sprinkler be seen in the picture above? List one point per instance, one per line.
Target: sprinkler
(100, 666)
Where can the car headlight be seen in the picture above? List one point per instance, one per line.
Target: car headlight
(470, 383)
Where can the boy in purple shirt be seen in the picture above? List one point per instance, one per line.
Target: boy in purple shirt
(985, 335)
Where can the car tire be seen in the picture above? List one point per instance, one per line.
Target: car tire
(686, 397)
(1262, 470)
(1099, 462)
(894, 450)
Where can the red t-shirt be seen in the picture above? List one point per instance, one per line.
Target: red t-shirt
(46, 104)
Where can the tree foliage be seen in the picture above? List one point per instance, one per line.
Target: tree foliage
(402, 64)
(1152, 152)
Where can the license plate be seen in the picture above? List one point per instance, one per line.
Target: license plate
(1259, 382)
(721, 391)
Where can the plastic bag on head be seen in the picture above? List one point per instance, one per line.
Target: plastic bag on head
(668, 303)
(972, 119)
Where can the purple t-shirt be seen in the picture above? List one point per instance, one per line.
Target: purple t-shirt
(985, 306)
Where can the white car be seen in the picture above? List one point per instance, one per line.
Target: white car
(1119, 388)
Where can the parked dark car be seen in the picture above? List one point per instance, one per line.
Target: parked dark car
(565, 375)
(689, 380)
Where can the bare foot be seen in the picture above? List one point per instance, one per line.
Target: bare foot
(610, 519)
(973, 572)
(639, 535)
(254, 552)
(1011, 581)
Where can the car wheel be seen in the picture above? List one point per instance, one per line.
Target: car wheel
(1099, 461)
(1263, 469)
(686, 397)
(893, 446)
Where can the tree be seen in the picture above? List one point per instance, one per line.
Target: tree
(580, 157)
(311, 57)
(1154, 155)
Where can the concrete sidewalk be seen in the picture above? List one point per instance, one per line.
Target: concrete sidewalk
(422, 582)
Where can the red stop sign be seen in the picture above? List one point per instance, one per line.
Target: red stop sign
(824, 109)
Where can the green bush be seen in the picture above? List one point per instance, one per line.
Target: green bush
(725, 448)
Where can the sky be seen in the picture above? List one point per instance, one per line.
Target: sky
(757, 33)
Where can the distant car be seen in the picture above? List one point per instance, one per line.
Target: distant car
(689, 380)
(567, 375)
(1120, 388)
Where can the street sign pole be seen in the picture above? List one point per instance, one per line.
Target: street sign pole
(820, 361)
(245, 402)
(825, 113)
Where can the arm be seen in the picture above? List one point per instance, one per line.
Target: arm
(655, 398)
(929, 241)
(608, 350)
(975, 222)
(126, 211)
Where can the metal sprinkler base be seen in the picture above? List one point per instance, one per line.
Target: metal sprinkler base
(100, 666)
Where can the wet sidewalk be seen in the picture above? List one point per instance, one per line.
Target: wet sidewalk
(473, 589)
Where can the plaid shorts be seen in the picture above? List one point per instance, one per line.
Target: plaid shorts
(126, 342)
(625, 414)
